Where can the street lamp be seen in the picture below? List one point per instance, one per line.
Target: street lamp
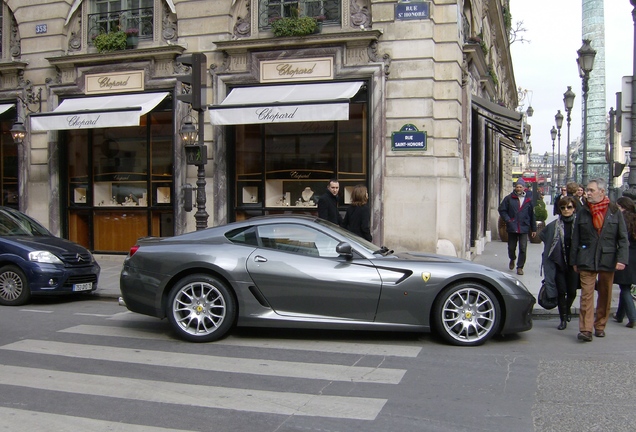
(568, 102)
(553, 134)
(18, 132)
(585, 62)
(558, 119)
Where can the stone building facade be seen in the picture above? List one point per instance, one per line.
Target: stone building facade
(415, 99)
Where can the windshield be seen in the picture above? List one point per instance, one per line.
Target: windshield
(370, 247)
(13, 223)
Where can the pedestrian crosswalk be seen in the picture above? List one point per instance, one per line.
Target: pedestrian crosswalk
(134, 348)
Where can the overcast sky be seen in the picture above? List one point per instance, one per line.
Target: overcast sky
(547, 64)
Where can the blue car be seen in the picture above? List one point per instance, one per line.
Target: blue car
(35, 262)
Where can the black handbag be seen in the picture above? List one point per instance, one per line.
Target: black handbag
(544, 301)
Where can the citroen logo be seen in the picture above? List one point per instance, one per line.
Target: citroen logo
(79, 257)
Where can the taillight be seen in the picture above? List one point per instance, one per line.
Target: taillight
(133, 249)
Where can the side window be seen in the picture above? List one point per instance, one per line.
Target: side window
(297, 239)
(245, 236)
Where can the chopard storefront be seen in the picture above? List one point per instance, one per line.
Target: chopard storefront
(116, 161)
(290, 123)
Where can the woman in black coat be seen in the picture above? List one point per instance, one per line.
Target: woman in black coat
(625, 278)
(560, 278)
(358, 216)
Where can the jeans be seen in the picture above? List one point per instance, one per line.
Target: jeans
(522, 239)
(626, 304)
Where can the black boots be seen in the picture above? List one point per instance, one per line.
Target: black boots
(564, 322)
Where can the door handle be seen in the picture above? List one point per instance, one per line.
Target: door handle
(259, 258)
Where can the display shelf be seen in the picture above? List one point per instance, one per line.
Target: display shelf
(163, 195)
(114, 194)
(250, 195)
(79, 195)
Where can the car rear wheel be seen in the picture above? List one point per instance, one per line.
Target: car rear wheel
(201, 308)
(14, 288)
(466, 314)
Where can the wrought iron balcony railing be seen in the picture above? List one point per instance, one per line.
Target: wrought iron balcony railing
(141, 19)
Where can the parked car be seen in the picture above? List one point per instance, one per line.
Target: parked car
(35, 262)
(304, 272)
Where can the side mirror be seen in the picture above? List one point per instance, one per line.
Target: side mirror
(344, 249)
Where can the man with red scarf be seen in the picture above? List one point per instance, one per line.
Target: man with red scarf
(600, 246)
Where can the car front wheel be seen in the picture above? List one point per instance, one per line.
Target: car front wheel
(14, 288)
(201, 308)
(466, 314)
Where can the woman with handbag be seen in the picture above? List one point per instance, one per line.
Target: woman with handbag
(560, 278)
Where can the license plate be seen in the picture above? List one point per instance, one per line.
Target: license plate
(83, 286)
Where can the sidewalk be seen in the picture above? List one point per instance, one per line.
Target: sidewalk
(495, 255)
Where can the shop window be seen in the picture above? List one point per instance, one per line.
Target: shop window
(128, 15)
(120, 183)
(269, 10)
(9, 166)
(285, 167)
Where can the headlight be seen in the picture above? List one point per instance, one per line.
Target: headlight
(44, 257)
(514, 280)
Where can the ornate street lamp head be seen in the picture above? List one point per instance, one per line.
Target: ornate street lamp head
(188, 132)
(586, 58)
(18, 132)
(568, 99)
(558, 118)
(553, 134)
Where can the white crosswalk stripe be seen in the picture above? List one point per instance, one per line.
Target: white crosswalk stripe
(397, 350)
(286, 403)
(16, 420)
(187, 395)
(211, 363)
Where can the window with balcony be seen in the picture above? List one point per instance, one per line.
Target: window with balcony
(131, 16)
(329, 10)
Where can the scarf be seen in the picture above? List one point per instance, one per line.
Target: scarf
(557, 248)
(598, 211)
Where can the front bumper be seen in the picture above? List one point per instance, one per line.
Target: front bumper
(59, 279)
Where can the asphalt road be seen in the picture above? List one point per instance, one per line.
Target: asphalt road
(73, 364)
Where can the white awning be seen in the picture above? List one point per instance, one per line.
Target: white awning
(97, 112)
(5, 107)
(285, 103)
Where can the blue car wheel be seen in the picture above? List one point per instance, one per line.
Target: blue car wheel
(14, 288)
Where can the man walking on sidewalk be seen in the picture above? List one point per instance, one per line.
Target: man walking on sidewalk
(517, 211)
(599, 247)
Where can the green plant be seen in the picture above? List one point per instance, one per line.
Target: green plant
(540, 211)
(493, 75)
(291, 26)
(111, 41)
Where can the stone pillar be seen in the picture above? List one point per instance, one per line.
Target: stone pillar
(594, 29)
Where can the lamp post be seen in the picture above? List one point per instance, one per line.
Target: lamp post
(631, 180)
(585, 62)
(568, 102)
(196, 154)
(558, 119)
(553, 134)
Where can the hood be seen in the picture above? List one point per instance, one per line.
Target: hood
(56, 245)
(428, 257)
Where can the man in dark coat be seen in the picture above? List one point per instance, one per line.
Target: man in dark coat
(328, 203)
(600, 246)
(517, 211)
